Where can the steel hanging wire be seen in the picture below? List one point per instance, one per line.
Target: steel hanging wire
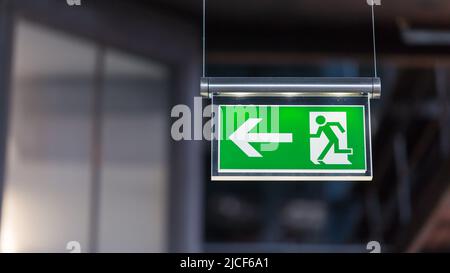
(204, 38)
(374, 40)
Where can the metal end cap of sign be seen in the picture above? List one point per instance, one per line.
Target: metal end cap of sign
(204, 87)
(376, 89)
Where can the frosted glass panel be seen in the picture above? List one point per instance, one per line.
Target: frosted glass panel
(48, 192)
(47, 189)
(133, 215)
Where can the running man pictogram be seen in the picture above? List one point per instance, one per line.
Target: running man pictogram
(333, 140)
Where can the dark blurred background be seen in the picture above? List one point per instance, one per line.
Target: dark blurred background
(86, 154)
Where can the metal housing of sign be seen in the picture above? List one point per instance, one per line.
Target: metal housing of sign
(291, 129)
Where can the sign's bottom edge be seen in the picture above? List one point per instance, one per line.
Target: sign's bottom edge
(292, 178)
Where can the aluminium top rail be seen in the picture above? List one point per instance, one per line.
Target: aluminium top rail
(291, 86)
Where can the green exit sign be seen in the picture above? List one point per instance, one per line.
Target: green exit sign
(312, 139)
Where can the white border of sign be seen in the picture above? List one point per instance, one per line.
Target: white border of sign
(327, 175)
(289, 170)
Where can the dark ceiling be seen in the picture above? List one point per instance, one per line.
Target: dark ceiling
(319, 12)
(304, 25)
(312, 28)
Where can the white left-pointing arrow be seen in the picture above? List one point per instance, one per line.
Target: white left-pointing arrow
(241, 137)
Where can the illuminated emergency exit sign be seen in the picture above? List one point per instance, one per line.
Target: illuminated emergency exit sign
(315, 140)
